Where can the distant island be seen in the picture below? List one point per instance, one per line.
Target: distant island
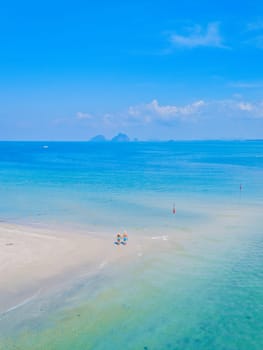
(120, 138)
(117, 138)
(98, 138)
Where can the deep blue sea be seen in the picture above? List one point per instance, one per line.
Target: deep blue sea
(201, 288)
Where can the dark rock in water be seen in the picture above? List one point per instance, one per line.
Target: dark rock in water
(98, 138)
(145, 348)
(121, 138)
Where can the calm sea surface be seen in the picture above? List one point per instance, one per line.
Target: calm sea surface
(201, 288)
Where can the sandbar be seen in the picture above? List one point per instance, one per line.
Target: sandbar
(32, 259)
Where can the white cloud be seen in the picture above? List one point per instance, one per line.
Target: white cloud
(163, 111)
(232, 108)
(153, 110)
(245, 106)
(151, 115)
(198, 37)
(168, 110)
(81, 116)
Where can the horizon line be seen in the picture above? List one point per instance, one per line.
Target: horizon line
(137, 141)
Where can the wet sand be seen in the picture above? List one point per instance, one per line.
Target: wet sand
(32, 259)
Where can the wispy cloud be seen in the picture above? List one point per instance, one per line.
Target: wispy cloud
(147, 114)
(154, 114)
(245, 106)
(246, 85)
(196, 36)
(60, 121)
(154, 111)
(254, 33)
(255, 26)
(83, 116)
(253, 110)
(232, 108)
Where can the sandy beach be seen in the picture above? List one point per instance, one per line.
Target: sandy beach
(32, 259)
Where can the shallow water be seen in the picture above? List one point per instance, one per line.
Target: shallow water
(199, 289)
(112, 184)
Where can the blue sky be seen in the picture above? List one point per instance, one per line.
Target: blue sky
(152, 69)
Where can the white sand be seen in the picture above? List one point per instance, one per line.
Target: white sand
(31, 259)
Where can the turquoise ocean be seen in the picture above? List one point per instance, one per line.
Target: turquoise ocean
(200, 286)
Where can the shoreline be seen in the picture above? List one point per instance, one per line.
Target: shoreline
(35, 259)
